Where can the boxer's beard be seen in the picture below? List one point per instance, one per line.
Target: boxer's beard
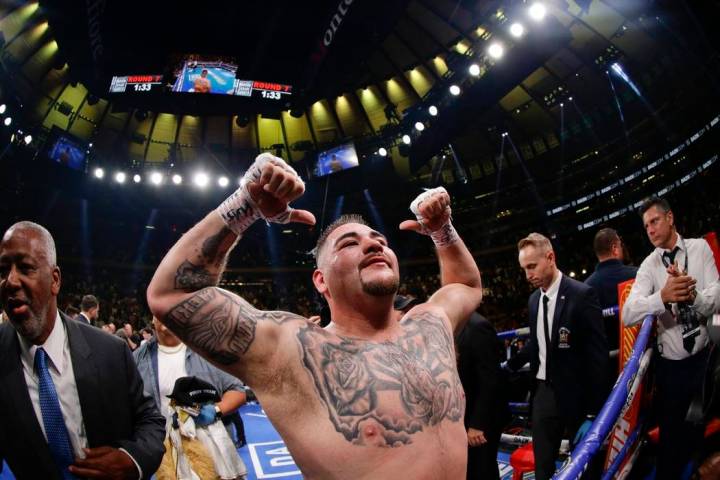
(381, 288)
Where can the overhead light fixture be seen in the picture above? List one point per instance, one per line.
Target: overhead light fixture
(382, 151)
(7, 121)
(99, 172)
(28, 139)
(419, 126)
(433, 110)
(455, 90)
(474, 69)
(177, 179)
(137, 178)
(517, 30)
(201, 179)
(537, 11)
(496, 50)
(406, 139)
(3, 109)
(223, 181)
(156, 178)
(120, 177)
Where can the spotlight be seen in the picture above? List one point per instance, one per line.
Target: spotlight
(201, 179)
(223, 182)
(569, 99)
(177, 179)
(455, 90)
(28, 139)
(504, 134)
(3, 108)
(382, 152)
(137, 178)
(7, 121)
(584, 271)
(517, 30)
(406, 139)
(496, 51)
(90, 145)
(432, 110)
(99, 173)
(562, 104)
(537, 11)
(156, 178)
(474, 69)
(419, 126)
(572, 274)
(120, 177)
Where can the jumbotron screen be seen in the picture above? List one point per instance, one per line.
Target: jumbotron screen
(336, 159)
(204, 75)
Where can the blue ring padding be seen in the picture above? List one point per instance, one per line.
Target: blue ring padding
(606, 312)
(588, 447)
(629, 442)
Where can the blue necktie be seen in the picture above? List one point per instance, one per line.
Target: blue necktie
(57, 435)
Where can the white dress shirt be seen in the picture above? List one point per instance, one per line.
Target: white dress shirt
(551, 293)
(644, 298)
(62, 374)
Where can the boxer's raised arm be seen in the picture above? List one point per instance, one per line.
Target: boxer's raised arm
(183, 293)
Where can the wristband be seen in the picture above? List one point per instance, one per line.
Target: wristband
(443, 236)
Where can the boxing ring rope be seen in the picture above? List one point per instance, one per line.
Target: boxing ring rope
(611, 411)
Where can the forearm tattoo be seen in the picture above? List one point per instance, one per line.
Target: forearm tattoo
(210, 263)
(357, 380)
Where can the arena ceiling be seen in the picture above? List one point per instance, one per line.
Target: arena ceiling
(360, 70)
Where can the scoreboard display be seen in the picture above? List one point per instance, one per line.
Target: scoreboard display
(261, 90)
(253, 89)
(136, 83)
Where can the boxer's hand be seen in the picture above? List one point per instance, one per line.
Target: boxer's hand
(276, 186)
(432, 211)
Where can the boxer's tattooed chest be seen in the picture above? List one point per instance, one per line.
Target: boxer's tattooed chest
(383, 393)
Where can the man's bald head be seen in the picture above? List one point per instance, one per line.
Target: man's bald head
(46, 239)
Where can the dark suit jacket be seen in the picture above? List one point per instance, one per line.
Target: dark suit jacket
(484, 382)
(115, 411)
(605, 280)
(82, 318)
(578, 363)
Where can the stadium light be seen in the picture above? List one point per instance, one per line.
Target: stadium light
(382, 151)
(99, 172)
(156, 178)
(28, 139)
(406, 139)
(537, 11)
(223, 181)
(432, 110)
(120, 177)
(7, 121)
(474, 69)
(137, 178)
(177, 179)
(201, 179)
(419, 126)
(3, 109)
(496, 50)
(455, 90)
(517, 30)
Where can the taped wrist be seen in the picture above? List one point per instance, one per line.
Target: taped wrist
(239, 210)
(445, 235)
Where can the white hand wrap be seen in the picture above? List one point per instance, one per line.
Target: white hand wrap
(239, 210)
(443, 236)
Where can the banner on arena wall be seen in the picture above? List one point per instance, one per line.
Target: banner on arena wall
(626, 424)
(712, 240)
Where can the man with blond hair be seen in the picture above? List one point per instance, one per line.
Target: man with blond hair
(567, 351)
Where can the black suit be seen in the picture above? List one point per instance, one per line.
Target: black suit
(485, 393)
(575, 373)
(608, 274)
(82, 318)
(115, 411)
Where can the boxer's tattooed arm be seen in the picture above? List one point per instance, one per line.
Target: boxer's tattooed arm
(206, 268)
(219, 323)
